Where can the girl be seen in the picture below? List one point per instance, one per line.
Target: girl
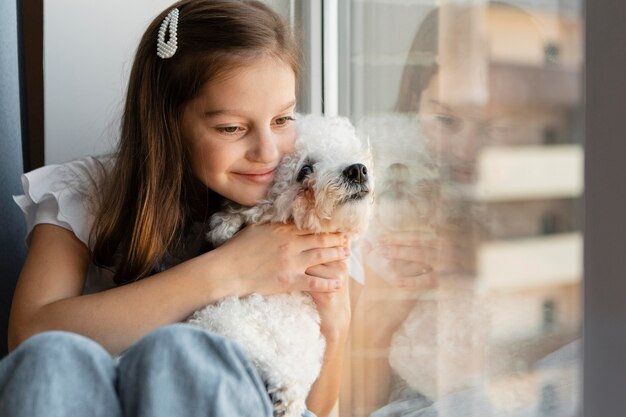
(116, 248)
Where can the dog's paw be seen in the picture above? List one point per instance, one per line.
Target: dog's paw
(223, 226)
(284, 402)
(280, 407)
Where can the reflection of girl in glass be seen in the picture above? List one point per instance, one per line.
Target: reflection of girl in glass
(459, 113)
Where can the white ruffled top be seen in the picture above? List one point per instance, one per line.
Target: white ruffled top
(60, 194)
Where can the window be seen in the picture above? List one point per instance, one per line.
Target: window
(473, 262)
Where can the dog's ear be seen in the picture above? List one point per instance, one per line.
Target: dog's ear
(304, 212)
(282, 210)
(324, 205)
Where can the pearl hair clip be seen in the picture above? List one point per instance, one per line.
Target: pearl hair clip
(168, 49)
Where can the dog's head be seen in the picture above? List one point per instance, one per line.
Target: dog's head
(327, 184)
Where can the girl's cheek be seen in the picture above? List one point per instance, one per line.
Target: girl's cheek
(289, 144)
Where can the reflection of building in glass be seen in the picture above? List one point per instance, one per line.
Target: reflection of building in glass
(510, 216)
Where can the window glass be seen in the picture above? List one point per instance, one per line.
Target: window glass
(472, 302)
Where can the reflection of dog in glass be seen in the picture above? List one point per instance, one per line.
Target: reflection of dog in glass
(325, 186)
(407, 180)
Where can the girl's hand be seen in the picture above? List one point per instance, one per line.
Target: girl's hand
(413, 262)
(403, 260)
(270, 258)
(334, 308)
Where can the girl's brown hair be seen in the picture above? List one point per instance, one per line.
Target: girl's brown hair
(421, 64)
(143, 206)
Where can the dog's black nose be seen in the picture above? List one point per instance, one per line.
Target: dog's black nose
(356, 173)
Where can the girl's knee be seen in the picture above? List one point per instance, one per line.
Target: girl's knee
(60, 357)
(182, 342)
(184, 336)
(59, 347)
(54, 373)
(187, 357)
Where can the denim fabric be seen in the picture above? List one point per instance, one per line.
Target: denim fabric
(177, 370)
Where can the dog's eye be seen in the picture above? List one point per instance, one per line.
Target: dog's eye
(305, 171)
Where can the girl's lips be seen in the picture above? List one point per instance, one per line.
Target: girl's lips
(261, 177)
(464, 174)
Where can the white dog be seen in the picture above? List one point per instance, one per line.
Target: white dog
(325, 186)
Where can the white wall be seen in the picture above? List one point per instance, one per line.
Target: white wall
(88, 51)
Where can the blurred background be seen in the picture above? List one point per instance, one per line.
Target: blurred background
(472, 303)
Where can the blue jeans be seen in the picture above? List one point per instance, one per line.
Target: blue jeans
(177, 370)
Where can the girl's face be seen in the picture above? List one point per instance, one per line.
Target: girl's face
(238, 129)
(457, 132)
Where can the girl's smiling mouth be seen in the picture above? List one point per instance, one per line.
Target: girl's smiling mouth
(262, 176)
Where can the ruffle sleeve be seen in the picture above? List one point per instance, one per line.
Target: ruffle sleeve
(60, 194)
(355, 263)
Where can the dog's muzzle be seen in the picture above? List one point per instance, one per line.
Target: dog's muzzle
(356, 176)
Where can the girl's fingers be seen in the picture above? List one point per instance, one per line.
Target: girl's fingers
(323, 240)
(325, 255)
(400, 269)
(402, 239)
(332, 270)
(321, 271)
(307, 240)
(423, 254)
(420, 282)
(317, 284)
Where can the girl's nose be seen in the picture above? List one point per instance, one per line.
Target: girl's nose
(468, 142)
(264, 147)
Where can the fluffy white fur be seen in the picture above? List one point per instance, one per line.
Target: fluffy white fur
(406, 173)
(281, 333)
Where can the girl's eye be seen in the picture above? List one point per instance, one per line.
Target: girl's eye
(229, 130)
(448, 122)
(281, 121)
(443, 122)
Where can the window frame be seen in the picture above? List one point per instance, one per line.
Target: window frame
(604, 286)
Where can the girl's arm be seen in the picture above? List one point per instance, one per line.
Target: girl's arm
(47, 296)
(325, 391)
(48, 293)
(335, 311)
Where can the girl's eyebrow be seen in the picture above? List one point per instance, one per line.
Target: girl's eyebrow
(437, 103)
(214, 113)
(289, 105)
(237, 112)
